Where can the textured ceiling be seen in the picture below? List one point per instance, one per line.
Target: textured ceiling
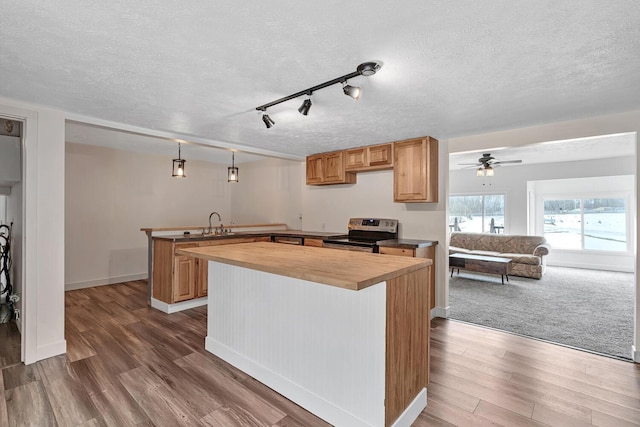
(198, 69)
(593, 148)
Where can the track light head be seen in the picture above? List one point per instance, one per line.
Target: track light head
(305, 107)
(352, 91)
(369, 68)
(267, 120)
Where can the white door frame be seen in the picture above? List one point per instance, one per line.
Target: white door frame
(29, 253)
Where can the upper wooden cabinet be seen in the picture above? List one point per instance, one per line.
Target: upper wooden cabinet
(328, 168)
(373, 157)
(415, 173)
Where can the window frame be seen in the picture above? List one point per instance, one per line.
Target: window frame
(483, 195)
(582, 196)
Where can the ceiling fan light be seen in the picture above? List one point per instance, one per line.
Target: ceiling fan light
(488, 171)
(352, 91)
(480, 172)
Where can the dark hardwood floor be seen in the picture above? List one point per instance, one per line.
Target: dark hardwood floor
(130, 365)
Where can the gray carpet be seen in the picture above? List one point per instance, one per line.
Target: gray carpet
(587, 309)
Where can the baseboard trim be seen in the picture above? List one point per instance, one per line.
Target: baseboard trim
(412, 411)
(635, 354)
(102, 282)
(178, 306)
(583, 266)
(50, 350)
(310, 401)
(440, 312)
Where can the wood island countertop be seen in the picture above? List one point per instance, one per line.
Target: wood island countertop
(335, 267)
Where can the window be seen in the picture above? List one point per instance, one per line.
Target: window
(586, 224)
(479, 214)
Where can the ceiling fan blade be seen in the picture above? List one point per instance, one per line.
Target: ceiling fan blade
(470, 164)
(507, 161)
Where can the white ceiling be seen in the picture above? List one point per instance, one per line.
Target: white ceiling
(593, 148)
(196, 70)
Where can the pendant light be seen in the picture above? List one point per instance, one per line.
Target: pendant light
(178, 166)
(232, 171)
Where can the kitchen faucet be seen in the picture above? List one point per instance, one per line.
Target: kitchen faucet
(219, 219)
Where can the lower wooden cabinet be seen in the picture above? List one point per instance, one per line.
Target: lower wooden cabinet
(179, 278)
(313, 242)
(428, 252)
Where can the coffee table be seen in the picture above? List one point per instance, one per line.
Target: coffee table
(481, 264)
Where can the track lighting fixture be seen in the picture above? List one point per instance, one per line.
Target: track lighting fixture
(364, 69)
(232, 171)
(352, 91)
(306, 105)
(178, 166)
(267, 120)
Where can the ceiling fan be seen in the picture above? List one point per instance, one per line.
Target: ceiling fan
(486, 164)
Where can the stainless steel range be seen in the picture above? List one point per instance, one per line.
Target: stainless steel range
(364, 233)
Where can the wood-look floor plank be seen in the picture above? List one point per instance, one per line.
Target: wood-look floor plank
(18, 375)
(451, 414)
(160, 404)
(131, 365)
(227, 389)
(553, 418)
(118, 407)
(231, 416)
(10, 344)
(180, 382)
(28, 405)
(295, 414)
(4, 418)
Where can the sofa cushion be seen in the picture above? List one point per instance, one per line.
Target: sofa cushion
(522, 258)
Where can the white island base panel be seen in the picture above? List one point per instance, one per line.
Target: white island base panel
(321, 346)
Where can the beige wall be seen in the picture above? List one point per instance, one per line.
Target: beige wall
(268, 191)
(330, 207)
(111, 194)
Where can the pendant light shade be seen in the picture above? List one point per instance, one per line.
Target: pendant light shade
(178, 166)
(232, 171)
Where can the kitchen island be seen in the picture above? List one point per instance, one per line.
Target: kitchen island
(343, 334)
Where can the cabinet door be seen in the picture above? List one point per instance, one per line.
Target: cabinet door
(202, 277)
(313, 242)
(184, 278)
(397, 251)
(356, 158)
(415, 175)
(380, 155)
(314, 169)
(334, 167)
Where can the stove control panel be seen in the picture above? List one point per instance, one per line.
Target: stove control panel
(374, 224)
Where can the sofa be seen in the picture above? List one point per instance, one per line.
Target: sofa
(527, 253)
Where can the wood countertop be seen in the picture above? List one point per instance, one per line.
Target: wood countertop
(335, 267)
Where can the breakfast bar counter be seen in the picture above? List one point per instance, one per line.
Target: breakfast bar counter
(343, 334)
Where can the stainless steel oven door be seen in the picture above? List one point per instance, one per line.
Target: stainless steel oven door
(348, 247)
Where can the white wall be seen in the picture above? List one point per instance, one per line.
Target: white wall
(268, 191)
(512, 181)
(111, 194)
(9, 160)
(330, 207)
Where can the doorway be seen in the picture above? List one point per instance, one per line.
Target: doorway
(600, 249)
(10, 241)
